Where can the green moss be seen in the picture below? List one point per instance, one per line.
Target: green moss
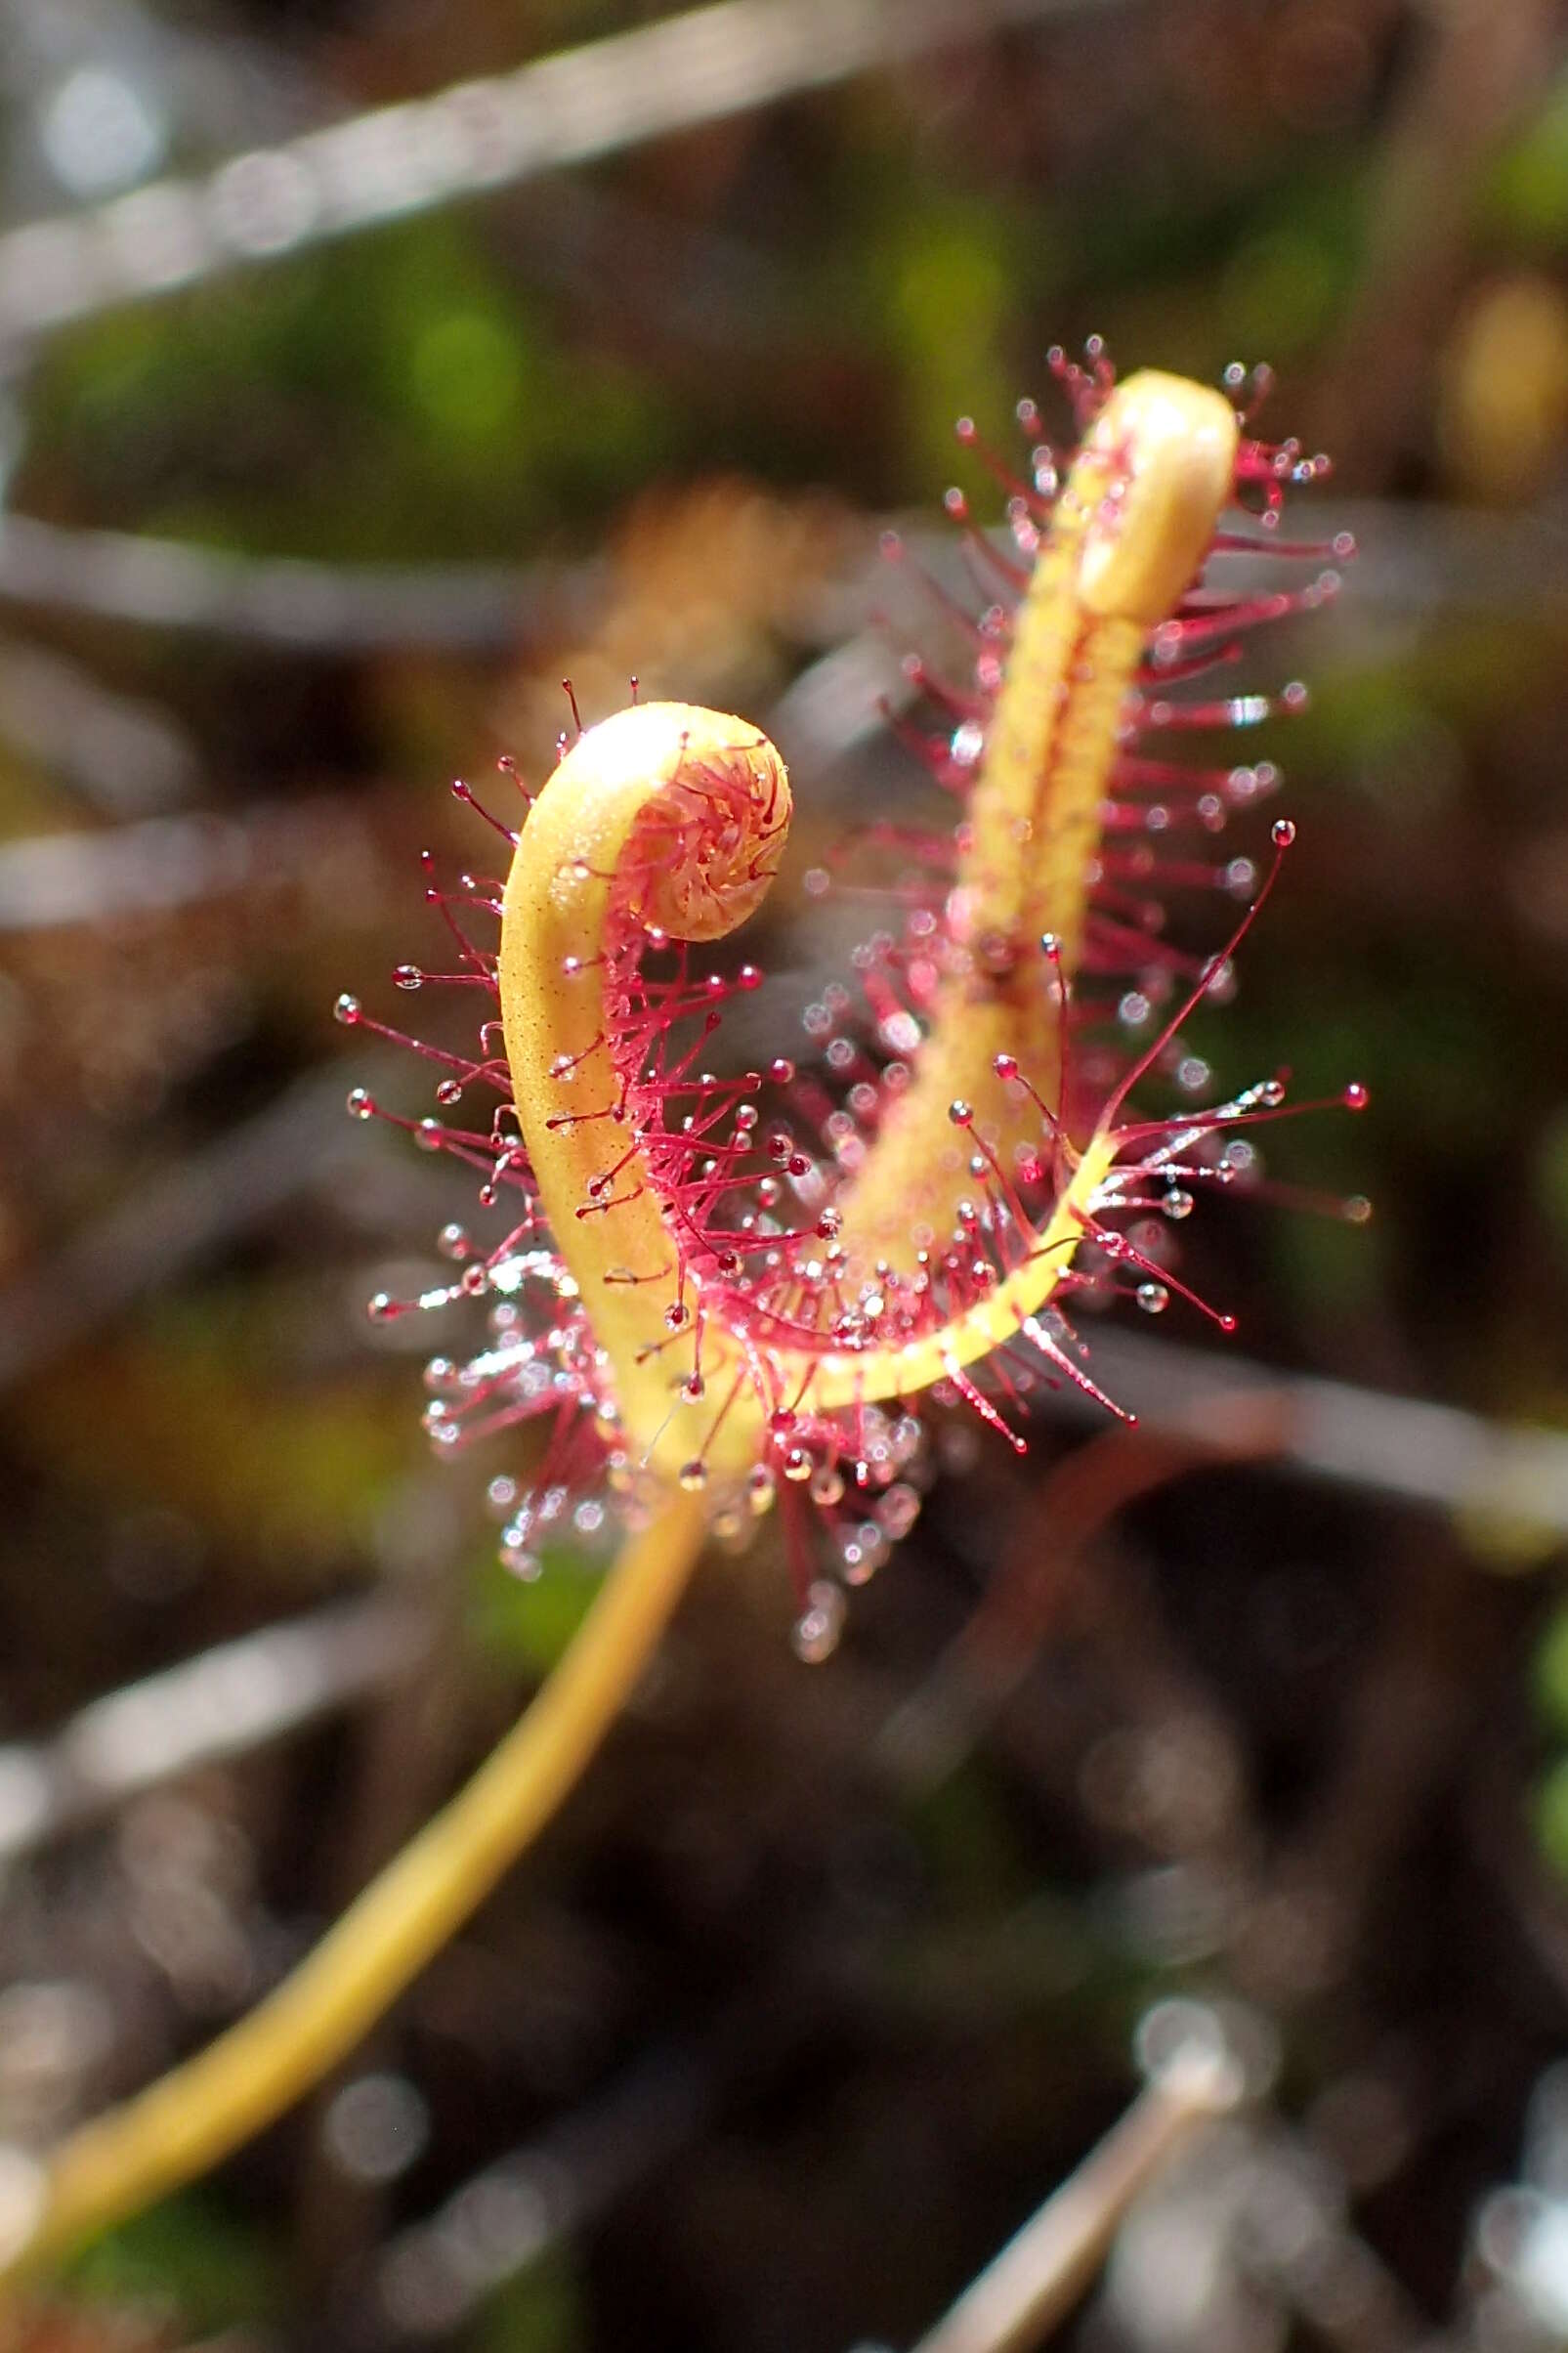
(1552, 1816)
(1549, 1678)
(1527, 197)
(187, 2253)
(1551, 1179)
(514, 1622)
(541, 2311)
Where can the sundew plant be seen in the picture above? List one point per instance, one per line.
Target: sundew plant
(742, 1287)
(729, 1295)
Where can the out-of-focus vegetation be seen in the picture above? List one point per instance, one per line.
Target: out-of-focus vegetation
(825, 1977)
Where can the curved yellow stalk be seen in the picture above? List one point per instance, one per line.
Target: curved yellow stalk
(192, 2117)
(669, 817)
(1128, 534)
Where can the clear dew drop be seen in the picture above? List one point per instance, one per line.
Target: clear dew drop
(345, 1010)
(1153, 1298)
(516, 1553)
(407, 976)
(761, 1489)
(854, 1564)
(816, 1632)
(968, 742)
(898, 1510)
(1282, 833)
(861, 1551)
(450, 1092)
(693, 1476)
(1177, 1204)
(797, 1464)
(359, 1104)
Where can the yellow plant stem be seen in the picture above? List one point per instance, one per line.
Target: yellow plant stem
(988, 1322)
(1126, 536)
(192, 2117)
(623, 789)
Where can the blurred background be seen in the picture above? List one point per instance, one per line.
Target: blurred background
(365, 369)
